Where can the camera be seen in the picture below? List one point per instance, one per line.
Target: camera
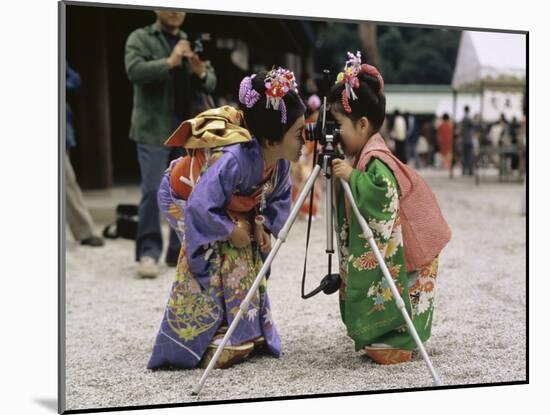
(323, 131)
(201, 46)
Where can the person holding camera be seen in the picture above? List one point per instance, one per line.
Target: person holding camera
(403, 214)
(167, 77)
(225, 199)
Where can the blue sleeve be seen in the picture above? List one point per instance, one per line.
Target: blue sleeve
(72, 79)
(206, 220)
(278, 203)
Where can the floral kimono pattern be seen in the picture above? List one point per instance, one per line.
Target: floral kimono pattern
(366, 303)
(213, 276)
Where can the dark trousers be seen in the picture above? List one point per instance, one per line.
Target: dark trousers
(153, 161)
(467, 159)
(401, 150)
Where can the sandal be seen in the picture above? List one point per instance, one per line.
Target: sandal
(259, 342)
(388, 355)
(228, 357)
(259, 345)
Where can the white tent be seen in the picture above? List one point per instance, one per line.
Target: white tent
(493, 65)
(490, 58)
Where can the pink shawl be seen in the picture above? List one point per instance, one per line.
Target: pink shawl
(425, 232)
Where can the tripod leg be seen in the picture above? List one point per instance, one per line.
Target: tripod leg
(281, 238)
(398, 300)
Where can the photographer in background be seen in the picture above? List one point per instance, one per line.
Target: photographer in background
(168, 77)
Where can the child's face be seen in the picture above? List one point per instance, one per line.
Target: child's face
(293, 141)
(354, 134)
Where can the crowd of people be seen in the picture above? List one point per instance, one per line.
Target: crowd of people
(441, 143)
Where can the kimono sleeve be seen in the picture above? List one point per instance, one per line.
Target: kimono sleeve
(278, 203)
(205, 218)
(376, 193)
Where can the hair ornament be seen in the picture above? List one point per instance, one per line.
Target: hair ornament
(349, 77)
(278, 82)
(248, 95)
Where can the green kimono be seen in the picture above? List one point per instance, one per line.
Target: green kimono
(367, 306)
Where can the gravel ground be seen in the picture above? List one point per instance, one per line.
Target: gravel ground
(478, 335)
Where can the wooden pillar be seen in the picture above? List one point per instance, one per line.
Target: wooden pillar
(86, 39)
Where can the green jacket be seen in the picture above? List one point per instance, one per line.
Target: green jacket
(146, 66)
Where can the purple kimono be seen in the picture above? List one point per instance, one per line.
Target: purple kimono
(213, 276)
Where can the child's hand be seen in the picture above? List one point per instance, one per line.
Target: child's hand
(341, 169)
(263, 239)
(239, 237)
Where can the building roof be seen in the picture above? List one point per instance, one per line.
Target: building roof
(490, 59)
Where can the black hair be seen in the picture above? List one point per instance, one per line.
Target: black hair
(265, 123)
(446, 116)
(370, 102)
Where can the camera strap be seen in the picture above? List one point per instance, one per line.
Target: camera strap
(311, 195)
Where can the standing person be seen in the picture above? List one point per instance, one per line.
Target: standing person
(403, 214)
(385, 133)
(413, 135)
(167, 77)
(467, 135)
(445, 141)
(426, 130)
(522, 142)
(399, 136)
(225, 219)
(422, 151)
(495, 134)
(514, 154)
(78, 216)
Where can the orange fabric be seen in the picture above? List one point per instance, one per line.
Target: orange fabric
(300, 172)
(237, 205)
(445, 137)
(305, 207)
(388, 356)
(182, 168)
(425, 231)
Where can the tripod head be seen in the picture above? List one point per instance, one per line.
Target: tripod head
(323, 131)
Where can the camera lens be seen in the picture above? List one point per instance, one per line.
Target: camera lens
(309, 131)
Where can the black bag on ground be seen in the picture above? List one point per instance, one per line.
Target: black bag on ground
(126, 223)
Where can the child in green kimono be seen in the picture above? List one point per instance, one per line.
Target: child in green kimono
(378, 181)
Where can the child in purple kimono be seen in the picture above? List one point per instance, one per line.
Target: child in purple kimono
(223, 246)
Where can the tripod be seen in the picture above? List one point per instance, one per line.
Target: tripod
(325, 164)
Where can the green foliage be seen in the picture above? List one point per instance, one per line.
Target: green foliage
(417, 56)
(333, 42)
(407, 55)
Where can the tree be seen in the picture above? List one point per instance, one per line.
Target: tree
(335, 40)
(411, 55)
(408, 55)
(369, 42)
(391, 50)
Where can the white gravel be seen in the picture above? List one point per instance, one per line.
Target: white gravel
(478, 335)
